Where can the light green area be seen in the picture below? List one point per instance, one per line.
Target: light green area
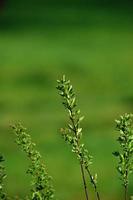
(94, 49)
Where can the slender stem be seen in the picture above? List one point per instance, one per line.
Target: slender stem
(84, 181)
(126, 185)
(81, 163)
(125, 192)
(87, 169)
(94, 184)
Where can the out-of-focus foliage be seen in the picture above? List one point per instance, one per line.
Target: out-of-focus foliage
(125, 139)
(41, 187)
(3, 195)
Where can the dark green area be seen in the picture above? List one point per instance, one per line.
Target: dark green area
(70, 2)
(93, 47)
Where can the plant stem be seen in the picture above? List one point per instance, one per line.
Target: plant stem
(125, 192)
(81, 163)
(82, 166)
(84, 181)
(126, 185)
(94, 184)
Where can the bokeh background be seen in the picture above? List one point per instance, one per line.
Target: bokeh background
(91, 41)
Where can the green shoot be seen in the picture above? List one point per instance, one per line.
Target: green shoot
(125, 155)
(42, 188)
(73, 133)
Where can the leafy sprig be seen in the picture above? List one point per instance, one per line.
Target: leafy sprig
(125, 155)
(73, 132)
(42, 188)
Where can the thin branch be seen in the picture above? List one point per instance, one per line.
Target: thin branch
(94, 184)
(84, 181)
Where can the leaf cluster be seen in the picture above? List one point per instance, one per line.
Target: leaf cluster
(73, 132)
(42, 188)
(125, 139)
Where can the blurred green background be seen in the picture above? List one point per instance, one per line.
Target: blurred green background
(92, 43)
